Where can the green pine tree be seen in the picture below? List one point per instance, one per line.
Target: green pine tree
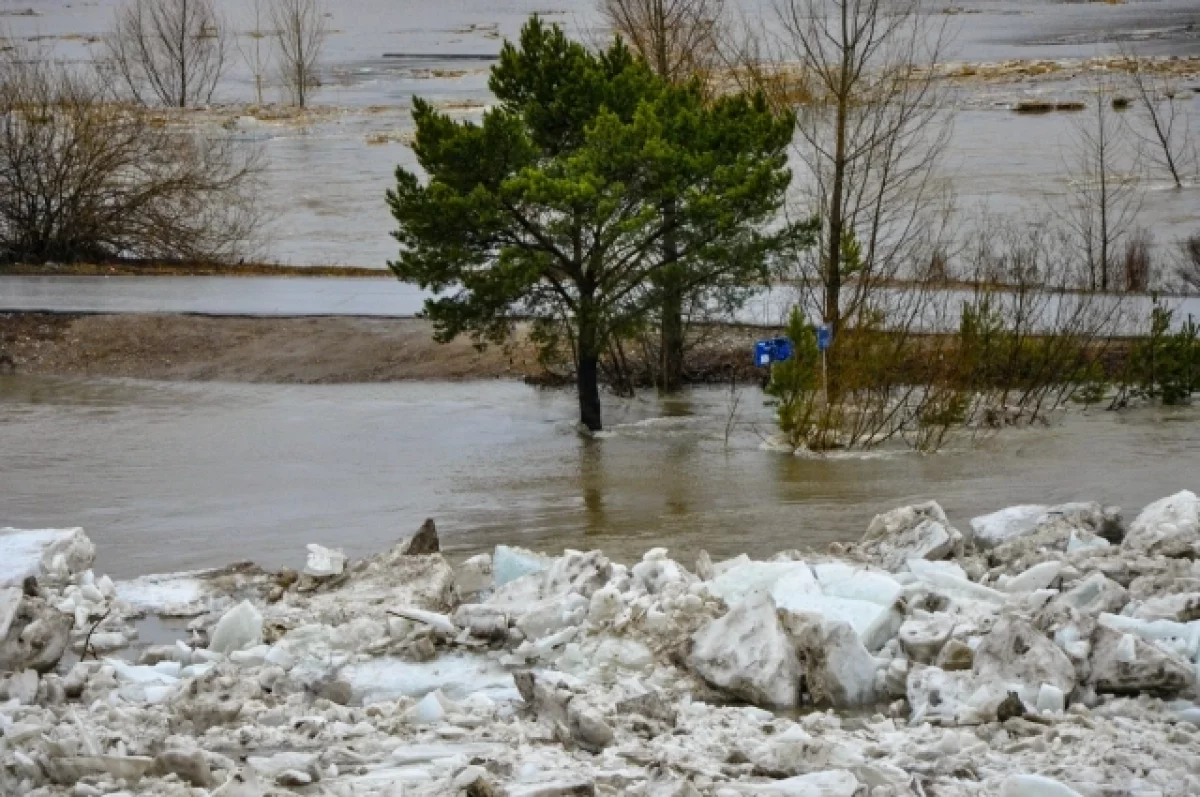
(549, 208)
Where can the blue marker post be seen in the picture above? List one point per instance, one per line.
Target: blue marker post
(824, 341)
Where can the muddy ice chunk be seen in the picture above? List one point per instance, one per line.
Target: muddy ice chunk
(744, 577)
(35, 636)
(749, 654)
(10, 602)
(552, 614)
(1020, 657)
(1167, 527)
(568, 785)
(1006, 525)
(1034, 786)
(831, 783)
(1095, 594)
(587, 727)
(190, 766)
(838, 670)
(1124, 664)
(51, 554)
(953, 697)
(919, 531)
(20, 686)
(875, 624)
(324, 562)
(1184, 638)
(1040, 576)
(655, 571)
(69, 770)
(238, 628)
(577, 572)
(923, 638)
(473, 577)
(457, 676)
(510, 563)
(1182, 607)
(953, 581)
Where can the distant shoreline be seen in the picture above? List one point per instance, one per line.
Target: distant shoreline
(135, 269)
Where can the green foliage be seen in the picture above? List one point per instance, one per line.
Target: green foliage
(795, 383)
(1165, 365)
(550, 208)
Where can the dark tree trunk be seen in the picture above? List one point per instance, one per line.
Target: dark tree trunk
(672, 335)
(589, 391)
(671, 341)
(587, 379)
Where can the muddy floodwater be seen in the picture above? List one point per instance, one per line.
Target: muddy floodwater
(169, 476)
(326, 174)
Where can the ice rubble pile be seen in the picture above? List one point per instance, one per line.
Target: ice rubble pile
(1046, 651)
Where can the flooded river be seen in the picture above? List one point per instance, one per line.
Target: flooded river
(167, 476)
(326, 177)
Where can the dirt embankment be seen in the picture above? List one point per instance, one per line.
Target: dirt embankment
(289, 350)
(297, 350)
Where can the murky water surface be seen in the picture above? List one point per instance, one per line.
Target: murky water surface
(325, 181)
(175, 476)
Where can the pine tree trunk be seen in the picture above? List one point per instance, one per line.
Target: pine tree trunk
(671, 342)
(672, 336)
(587, 379)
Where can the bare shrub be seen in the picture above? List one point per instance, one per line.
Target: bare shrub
(82, 179)
(1165, 132)
(1137, 263)
(169, 51)
(1105, 197)
(1188, 270)
(300, 35)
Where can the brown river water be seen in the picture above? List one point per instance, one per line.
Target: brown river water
(171, 476)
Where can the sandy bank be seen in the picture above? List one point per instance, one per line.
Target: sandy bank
(282, 350)
(311, 350)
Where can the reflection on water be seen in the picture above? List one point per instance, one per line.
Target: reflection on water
(178, 476)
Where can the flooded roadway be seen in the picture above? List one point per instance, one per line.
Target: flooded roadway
(166, 476)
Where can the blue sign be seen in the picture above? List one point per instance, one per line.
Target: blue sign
(824, 337)
(772, 351)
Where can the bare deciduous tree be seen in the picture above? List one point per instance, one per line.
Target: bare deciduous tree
(83, 179)
(171, 51)
(300, 35)
(1105, 196)
(679, 39)
(1188, 269)
(254, 53)
(1166, 129)
(869, 133)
